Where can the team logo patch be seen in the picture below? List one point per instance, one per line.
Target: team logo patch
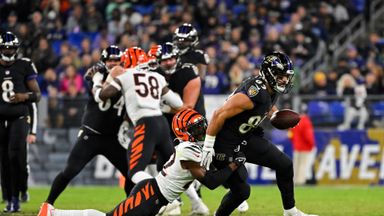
(252, 91)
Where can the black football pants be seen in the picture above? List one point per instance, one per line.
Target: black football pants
(258, 151)
(13, 154)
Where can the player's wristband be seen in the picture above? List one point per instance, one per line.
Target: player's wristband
(209, 141)
(97, 96)
(32, 97)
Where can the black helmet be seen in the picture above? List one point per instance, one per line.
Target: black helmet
(111, 53)
(185, 37)
(9, 46)
(277, 64)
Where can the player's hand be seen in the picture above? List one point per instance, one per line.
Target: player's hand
(208, 151)
(239, 158)
(90, 73)
(18, 97)
(31, 138)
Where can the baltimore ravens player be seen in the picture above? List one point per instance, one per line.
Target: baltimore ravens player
(19, 88)
(183, 167)
(98, 133)
(186, 39)
(237, 123)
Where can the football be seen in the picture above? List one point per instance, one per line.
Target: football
(285, 118)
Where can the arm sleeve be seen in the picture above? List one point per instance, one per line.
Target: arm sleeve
(172, 99)
(32, 108)
(214, 179)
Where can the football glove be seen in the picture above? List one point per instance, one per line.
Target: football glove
(208, 151)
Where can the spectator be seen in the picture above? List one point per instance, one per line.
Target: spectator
(43, 56)
(355, 94)
(303, 141)
(215, 81)
(54, 119)
(71, 77)
(73, 105)
(94, 21)
(48, 81)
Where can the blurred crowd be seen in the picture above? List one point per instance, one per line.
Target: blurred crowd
(64, 38)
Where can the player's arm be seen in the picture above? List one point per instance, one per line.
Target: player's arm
(191, 93)
(32, 108)
(33, 95)
(211, 179)
(112, 86)
(272, 111)
(236, 104)
(172, 99)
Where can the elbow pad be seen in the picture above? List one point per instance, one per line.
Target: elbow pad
(214, 179)
(173, 99)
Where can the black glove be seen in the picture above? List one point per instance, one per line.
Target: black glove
(239, 158)
(101, 67)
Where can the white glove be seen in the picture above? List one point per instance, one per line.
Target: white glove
(208, 151)
(123, 135)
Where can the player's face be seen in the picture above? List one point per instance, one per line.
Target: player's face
(110, 63)
(8, 51)
(282, 80)
(168, 64)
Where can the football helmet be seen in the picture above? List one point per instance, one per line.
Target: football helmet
(274, 67)
(111, 53)
(9, 46)
(185, 38)
(189, 125)
(153, 54)
(168, 51)
(134, 57)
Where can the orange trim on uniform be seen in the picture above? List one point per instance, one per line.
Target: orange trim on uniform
(121, 209)
(137, 199)
(128, 205)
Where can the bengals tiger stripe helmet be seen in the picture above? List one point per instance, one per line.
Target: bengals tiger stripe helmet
(133, 57)
(189, 125)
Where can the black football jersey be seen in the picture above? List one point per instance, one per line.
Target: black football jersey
(195, 57)
(243, 124)
(13, 80)
(104, 118)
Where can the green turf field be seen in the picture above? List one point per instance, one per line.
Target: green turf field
(264, 200)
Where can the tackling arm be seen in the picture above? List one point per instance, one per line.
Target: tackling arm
(191, 93)
(211, 179)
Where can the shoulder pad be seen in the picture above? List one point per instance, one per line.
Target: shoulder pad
(199, 51)
(26, 59)
(191, 66)
(189, 152)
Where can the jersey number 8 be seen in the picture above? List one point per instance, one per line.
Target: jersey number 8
(7, 87)
(253, 122)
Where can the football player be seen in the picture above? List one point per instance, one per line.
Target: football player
(186, 39)
(100, 126)
(143, 90)
(18, 89)
(185, 81)
(236, 123)
(183, 167)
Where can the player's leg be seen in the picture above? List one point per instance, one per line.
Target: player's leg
(5, 166)
(164, 145)
(18, 131)
(24, 196)
(140, 151)
(239, 192)
(83, 151)
(145, 199)
(260, 151)
(117, 155)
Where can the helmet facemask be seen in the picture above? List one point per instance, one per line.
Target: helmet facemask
(276, 67)
(185, 38)
(197, 130)
(9, 46)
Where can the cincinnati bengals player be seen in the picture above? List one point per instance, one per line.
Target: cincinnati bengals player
(183, 167)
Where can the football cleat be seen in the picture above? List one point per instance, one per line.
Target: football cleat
(15, 204)
(46, 209)
(199, 209)
(24, 197)
(243, 207)
(173, 208)
(296, 212)
(8, 207)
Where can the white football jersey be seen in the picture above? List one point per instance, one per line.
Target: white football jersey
(142, 93)
(173, 180)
